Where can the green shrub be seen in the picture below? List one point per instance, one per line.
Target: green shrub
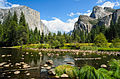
(101, 41)
(108, 49)
(89, 72)
(67, 69)
(88, 48)
(116, 42)
(115, 67)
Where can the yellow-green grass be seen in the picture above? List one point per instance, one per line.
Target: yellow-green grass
(80, 44)
(108, 49)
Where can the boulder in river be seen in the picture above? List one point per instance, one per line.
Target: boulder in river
(3, 56)
(16, 72)
(49, 62)
(1, 64)
(64, 76)
(104, 66)
(48, 68)
(45, 65)
(51, 72)
(28, 74)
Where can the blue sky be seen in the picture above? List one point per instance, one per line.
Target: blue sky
(60, 15)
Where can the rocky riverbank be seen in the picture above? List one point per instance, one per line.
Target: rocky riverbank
(76, 51)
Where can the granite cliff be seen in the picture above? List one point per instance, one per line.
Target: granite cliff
(99, 16)
(32, 17)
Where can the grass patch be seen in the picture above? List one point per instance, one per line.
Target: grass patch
(108, 49)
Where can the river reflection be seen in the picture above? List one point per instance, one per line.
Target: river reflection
(19, 64)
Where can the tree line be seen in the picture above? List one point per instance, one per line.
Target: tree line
(16, 32)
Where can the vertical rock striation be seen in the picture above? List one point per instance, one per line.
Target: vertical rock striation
(99, 16)
(32, 17)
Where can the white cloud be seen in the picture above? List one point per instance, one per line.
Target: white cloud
(78, 13)
(56, 25)
(88, 13)
(100, 1)
(110, 4)
(5, 4)
(117, 4)
(74, 14)
(15, 5)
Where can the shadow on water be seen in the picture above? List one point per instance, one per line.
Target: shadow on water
(19, 64)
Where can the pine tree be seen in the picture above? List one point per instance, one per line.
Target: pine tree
(42, 38)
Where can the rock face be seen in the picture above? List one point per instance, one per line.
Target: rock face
(83, 23)
(32, 17)
(99, 12)
(99, 16)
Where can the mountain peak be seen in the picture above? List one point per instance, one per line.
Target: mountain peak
(100, 12)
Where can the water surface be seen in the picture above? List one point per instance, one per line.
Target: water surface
(36, 60)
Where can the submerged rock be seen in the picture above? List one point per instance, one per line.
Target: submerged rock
(70, 63)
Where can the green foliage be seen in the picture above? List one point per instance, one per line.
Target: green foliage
(100, 41)
(71, 71)
(116, 43)
(14, 33)
(88, 48)
(108, 49)
(89, 72)
(115, 67)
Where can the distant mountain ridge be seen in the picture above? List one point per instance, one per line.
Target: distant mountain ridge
(99, 16)
(32, 17)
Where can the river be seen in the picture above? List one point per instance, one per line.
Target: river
(14, 61)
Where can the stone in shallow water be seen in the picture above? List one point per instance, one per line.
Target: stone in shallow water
(51, 72)
(64, 76)
(28, 74)
(3, 56)
(17, 64)
(45, 65)
(9, 55)
(26, 66)
(50, 62)
(103, 66)
(7, 65)
(56, 76)
(1, 64)
(42, 67)
(27, 53)
(16, 72)
(22, 62)
(22, 58)
(48, 68)
(9, 76)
